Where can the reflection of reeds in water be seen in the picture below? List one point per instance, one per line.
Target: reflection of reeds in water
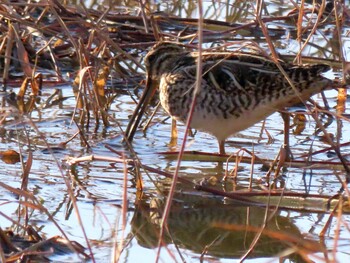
(205, 226)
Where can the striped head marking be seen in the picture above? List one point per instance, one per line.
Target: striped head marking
(161, 57)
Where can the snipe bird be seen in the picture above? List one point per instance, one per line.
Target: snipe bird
(237, 90)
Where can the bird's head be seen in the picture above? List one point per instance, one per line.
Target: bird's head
(161, 58)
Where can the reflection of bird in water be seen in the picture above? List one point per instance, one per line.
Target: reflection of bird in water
(237, 90)
(196, 226)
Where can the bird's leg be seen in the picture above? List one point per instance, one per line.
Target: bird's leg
(222, 147)
(173, 139)
(286, 146)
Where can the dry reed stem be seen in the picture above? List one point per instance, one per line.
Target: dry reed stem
(119, 245)
(188, 123)
(259, 233)
(70, 193)
(308, 245)
(300, 163)
(34, 204)
(246, 197)
(313, 30)
(319, 124)
(337, 227)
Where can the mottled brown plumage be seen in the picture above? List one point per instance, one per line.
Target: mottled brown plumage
(237, 90)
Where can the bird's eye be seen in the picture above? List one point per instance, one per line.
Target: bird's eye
(149, 59)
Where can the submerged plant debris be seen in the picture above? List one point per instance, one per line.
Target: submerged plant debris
(72, 189)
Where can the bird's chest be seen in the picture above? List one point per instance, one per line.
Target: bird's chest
(176, 96)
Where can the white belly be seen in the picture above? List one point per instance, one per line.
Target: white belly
(222, 128)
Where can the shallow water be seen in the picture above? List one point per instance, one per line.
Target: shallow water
(98, 186)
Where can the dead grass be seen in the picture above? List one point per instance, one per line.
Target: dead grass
(41, 42)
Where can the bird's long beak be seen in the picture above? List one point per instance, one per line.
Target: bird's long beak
(146, 97)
